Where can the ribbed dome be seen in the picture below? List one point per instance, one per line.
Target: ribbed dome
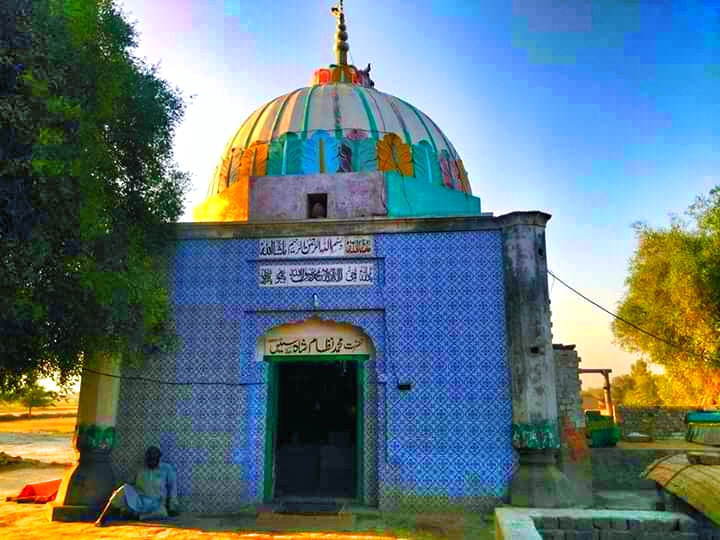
(338, 109)
(340, 112)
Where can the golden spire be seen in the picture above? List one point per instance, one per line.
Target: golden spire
(341, 36)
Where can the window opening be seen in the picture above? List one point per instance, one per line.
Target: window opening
(317, 205)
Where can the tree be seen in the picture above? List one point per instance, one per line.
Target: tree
(673, 293)
(644, 392)
(89, 184)
(620, 387)
(34, 395)
(683, 389)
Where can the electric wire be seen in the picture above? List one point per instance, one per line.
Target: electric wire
(679, 347)
(172, 383)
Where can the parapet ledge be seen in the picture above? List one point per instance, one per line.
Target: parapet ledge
(354, 226)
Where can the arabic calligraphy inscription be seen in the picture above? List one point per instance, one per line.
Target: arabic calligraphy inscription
(285, 346)
(317, 275)
(315, 247)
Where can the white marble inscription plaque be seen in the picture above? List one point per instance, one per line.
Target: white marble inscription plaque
(315, 247)
(317, 275)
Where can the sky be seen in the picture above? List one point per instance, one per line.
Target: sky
(601, 114)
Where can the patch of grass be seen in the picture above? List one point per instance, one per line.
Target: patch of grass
(8, 462)
(434, 526)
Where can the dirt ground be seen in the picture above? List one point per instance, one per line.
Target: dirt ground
(62, 424)
(30, 521)
(46, 437)
(50, 439)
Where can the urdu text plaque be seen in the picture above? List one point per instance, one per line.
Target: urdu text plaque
(316, 247)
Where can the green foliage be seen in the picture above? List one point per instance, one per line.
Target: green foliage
(644, 392)
(32, 395)
(620, 387)
(642, 388)
(36, 396)
(673, 292)
(101, 182)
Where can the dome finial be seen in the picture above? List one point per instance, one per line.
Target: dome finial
(341, 36)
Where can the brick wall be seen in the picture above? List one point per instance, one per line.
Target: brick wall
(658, 422)
(568, 383)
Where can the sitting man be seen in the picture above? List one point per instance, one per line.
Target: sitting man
(153, 496)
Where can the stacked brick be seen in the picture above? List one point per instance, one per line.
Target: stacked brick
(616, 528)
(569, 400)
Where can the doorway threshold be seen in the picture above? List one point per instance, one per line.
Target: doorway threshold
(311, 505)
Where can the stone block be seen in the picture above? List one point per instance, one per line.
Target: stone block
(58, 512)
(579, 535)
(602, 522)
(619, 524)
(634, 524)
(566, 523)
(553, 534)
(615, 534)
(653, 536)
(549, 523)
(583, 523)
(653, 525)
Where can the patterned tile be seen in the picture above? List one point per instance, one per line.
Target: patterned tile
(436, 318)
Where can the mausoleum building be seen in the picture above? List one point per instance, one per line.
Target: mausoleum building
(351, 326)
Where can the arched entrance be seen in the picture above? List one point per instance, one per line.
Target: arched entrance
(315, 437)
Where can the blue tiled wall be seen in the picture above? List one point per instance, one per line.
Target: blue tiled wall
(436, 318)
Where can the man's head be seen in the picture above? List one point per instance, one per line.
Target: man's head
(152, 457)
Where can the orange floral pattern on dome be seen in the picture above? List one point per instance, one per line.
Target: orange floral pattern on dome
(254, 160)
(234, 166)
(394, 155)
(223, 174)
